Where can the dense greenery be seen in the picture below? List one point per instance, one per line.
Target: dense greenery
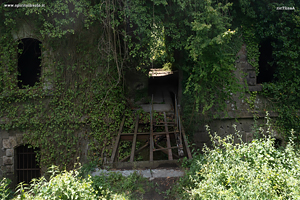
(87, 46)
(255, 170)
(78, 184)
(229, 170)
(261, 22)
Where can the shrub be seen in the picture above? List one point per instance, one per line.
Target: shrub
(115, 186)
(5, 192)
(78, 184)
(62, 185)
(255, 170)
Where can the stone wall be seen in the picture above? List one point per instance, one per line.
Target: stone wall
(224, 127)
(241, 113)
(9, 141)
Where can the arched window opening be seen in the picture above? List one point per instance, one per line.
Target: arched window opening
(267, 66)
(29, 62)
(27, 166)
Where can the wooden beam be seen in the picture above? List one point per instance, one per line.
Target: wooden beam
(113, 155)
(145, 133)
(185, 143)
(170, 157)
(165, 151)
(151, 132)
(168, 148)
(134, 138)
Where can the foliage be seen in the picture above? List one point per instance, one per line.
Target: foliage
(86, 46)
(61, 185)
(78, 98)
(79, 184)
(114, 184)
(260, 22)
(232, 170)
(5, 192)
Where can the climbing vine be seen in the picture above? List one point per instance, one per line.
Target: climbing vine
(87, 45)
(264, 21)
(79, 99)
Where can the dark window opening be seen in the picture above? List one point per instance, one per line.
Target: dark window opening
(29, 62)
(267, 66)
(27, 166)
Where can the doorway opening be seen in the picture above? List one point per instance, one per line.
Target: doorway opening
(29, 62)
(27, 166)
(163, 85)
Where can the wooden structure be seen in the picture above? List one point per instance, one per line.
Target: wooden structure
(151, 138)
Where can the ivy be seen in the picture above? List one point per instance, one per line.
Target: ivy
(87, 45)
(281, 27)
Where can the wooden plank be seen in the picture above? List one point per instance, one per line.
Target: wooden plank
(148, 133)
(113, 155)
(180, 151)
(145, 133)
(169, 148)
(186, 144)
(151, 132)
(134, 139)
(170, 157)
(165, 151)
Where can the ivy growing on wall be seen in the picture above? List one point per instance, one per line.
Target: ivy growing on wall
(266, 20)
(86, 46)
(79, 98)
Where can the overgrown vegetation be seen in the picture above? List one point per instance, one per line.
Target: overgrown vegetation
(87, 45)
(255, 170)
(231, 169)
(260, 22)
(78, 184)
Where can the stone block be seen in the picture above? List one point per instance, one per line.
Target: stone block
(9, 152)
(13, 141)
(251, 81)
(249, 137)
(255, 88)
(246, 66)
(9, 168)
(7, 160)
(201, 137)
(19, 139)
(252, 74)
(6, 144)
(247, 125)
(4, 134)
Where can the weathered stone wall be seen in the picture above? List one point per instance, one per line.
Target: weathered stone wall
(241, 113)
(9, 141)
(224, 127)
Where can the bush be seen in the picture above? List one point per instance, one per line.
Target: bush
(73, 184)
(255, 170)
(115, 186)
(62, 185)
(5, 192)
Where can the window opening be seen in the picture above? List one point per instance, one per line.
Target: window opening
(29, 62)
(27, 166)
(267, 66)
